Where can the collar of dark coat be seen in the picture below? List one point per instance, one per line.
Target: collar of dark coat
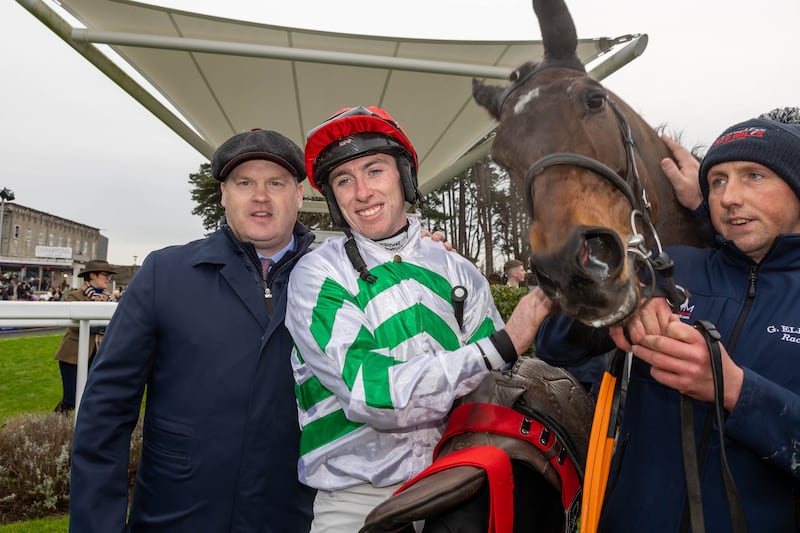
(303, 240)
(782, 255)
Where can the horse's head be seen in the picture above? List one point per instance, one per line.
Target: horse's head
(588, 163)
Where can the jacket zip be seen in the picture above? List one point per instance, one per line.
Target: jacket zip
(752, 280)
(268, 285)
(268, 298)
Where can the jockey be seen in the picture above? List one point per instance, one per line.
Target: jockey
(389, 328)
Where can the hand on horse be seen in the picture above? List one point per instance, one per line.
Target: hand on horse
(528, 315)
(680, 360)
(651, 318)
(683, 172)
(437, 236)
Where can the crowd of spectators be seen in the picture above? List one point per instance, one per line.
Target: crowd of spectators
(35, 289)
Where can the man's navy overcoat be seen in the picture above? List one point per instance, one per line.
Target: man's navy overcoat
(220, 423)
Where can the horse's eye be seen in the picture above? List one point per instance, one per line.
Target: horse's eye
(595, 101)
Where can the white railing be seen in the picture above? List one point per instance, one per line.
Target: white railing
(82, 315)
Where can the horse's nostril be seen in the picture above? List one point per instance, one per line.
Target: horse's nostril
(601, 255)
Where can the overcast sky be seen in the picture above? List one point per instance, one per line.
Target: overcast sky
(74, 144)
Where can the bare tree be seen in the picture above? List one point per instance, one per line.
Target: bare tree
(484, 198)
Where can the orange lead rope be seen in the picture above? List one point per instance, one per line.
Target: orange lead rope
(601, 443)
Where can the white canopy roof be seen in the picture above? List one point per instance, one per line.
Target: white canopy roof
(221, 76)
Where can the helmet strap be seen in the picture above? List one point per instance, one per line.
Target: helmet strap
(333, 208)
(351, 249)
(407, 179)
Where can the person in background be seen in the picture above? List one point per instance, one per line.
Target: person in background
(748, 285)
(201, 328)
(55, 294)
(7, 288)
(10, 291)
(390, 328)
(118, 293)
(23, 291)
(96, 275)
(515, 273)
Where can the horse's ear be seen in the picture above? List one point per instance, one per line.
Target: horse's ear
(488, 97)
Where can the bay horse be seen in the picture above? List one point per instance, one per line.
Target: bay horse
(594, 187)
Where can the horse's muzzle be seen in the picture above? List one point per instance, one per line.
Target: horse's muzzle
(587, 277)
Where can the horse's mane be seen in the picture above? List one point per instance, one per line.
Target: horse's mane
(783, 115)
(698, 150)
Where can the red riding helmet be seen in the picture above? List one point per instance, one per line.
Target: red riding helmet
(351, 133)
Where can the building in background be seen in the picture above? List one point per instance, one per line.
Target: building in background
(45, 250)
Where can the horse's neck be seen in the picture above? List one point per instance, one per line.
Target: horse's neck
(674, 223)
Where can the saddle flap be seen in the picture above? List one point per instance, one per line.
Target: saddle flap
(535, 415)
(428, 497)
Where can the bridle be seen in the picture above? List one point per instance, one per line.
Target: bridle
(634, 191)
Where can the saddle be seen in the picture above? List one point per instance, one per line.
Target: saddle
(536, 414)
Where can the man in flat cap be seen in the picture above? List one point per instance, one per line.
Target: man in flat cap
(201, 327)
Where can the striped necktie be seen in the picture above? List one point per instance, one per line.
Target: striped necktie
(265, 266)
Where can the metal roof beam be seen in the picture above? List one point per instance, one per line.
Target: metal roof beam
(630, 51)
(184, 44)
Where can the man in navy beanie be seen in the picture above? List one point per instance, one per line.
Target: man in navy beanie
(748, 285)
(201, 327)
(772, 140)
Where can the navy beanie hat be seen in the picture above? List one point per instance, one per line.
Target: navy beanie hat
(258, 144)
(761, 140)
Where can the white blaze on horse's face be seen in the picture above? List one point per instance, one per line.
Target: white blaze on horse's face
(519, 107)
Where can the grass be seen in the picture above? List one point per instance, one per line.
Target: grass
(31, 380)
(42, 525)
(31, 383)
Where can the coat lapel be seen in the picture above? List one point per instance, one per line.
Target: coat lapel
(233, 268)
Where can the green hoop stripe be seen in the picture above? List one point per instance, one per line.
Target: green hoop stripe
(310, 393)
(412, 321)
(332, 295)
(363, 355)
(391, 273)
(484, 330)
(324, 430)
(330, 299)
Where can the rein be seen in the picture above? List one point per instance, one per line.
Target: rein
(690, 464)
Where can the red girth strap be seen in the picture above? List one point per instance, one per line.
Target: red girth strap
(501, 481)
(491, 418)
